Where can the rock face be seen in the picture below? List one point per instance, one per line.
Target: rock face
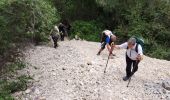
(166, 84)
(73, 71)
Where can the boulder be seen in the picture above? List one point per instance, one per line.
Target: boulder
(166, 84)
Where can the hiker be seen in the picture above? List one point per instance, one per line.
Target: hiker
(55, 35)
(134, 54)
(62, 30)
(67, 26)
(107, 39)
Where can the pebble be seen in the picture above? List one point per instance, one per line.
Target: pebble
(124, 99)
(37, 91)
(164, 91)
(54, 74)
(82, 65)
(89, 63)
(63, 68)
(27, 91)
(166, 84)
(42, 98)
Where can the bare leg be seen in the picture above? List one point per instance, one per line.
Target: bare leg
(100, 51)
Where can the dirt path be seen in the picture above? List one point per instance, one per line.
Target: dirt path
(63, 74)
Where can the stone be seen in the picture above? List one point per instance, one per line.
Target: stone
(27, 91)
(37, 91)
(54, 74)
(125, 99)
(82, 65)
(162, 97)
(166, 85)
(63, 68)
(77, 37)
(42, 98)
(164, 91)
(89, 63)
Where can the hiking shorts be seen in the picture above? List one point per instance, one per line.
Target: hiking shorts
(103, 45)
(55, 38)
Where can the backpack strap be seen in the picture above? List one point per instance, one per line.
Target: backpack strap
(136, 49)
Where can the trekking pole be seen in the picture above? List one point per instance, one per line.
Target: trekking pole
(132, 74)
(106, 64)
(129, 82)
(108, 58)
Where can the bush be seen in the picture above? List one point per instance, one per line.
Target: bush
(20, 19)
(87, 30)
(14, 84)
(9, 87)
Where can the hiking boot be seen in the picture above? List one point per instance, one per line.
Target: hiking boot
(55, 46)
(125, 78)
(131, 74)
(113, 54)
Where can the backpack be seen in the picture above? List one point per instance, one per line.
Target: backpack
(103, 37)
(139, 41)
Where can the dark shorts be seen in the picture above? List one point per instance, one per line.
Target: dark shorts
(103, 45)
(55, 38)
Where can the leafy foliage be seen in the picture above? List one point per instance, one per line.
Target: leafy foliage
(20, 19)
(87, 30)
(14, 84)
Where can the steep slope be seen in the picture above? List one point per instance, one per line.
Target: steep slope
(73, 71)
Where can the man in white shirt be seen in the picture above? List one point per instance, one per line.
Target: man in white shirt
(107, 39)
(134, 55)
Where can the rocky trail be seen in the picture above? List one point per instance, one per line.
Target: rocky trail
(73, 71)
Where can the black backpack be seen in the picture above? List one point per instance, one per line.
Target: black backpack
(103, 37)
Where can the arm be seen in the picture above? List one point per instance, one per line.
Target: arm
(122, 46)
(114, 47)
(51, 32)
(140, 53)
(140, 57)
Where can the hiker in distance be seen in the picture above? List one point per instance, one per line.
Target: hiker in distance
(107, 39)
(134, 54)
(55, 36)
(64, 28)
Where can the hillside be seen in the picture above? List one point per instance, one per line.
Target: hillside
(73, 71)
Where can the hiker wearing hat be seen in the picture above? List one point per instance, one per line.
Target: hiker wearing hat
(55, 35)
(107, 39)
(134, 55)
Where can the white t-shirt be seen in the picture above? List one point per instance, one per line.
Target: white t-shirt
(131, 53)
(108, 33)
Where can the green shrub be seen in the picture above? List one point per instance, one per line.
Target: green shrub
(87, 30)
(9, 87)
(14, 84)
(20, 19)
